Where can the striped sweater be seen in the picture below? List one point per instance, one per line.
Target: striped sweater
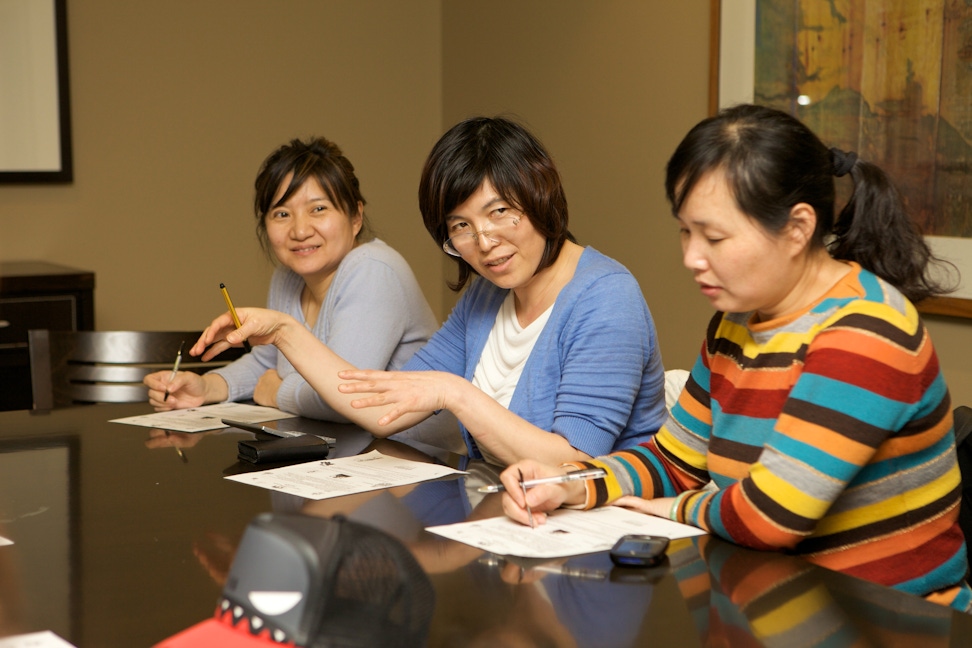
(827, 433)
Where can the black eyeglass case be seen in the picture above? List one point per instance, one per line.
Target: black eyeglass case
(286, 449)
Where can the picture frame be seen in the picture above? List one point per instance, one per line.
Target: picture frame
(35, 114)
(732, 81)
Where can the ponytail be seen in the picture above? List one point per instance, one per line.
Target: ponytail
(874, 230)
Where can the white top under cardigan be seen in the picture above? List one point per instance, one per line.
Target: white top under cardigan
(507, 349)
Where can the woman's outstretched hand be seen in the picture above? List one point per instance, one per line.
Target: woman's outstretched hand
(404, 391)
(257, 326)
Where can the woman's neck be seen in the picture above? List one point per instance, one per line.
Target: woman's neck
(312, 298)
(542, 290)
(818, 274)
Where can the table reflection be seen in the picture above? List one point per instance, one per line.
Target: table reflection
(738, 596)
(119, 542)
(493, 600)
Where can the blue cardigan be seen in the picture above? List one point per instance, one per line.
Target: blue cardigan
(594, 376)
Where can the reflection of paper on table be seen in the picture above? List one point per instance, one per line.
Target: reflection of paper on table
(5, 541)
(567, 532)
(207, 417)
(45, 639)
(334, 477)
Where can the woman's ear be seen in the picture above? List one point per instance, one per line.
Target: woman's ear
(357, 221)
(803, 223)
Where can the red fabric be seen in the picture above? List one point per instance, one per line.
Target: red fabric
(214, 632)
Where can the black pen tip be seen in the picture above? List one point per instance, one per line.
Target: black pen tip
(221, 285)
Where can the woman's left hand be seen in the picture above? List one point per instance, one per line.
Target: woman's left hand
(660, 506)
(404, 391)
(265, 392)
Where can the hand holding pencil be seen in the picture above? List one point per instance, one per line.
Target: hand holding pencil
(241, 327)
(213, 340)
(232, 310)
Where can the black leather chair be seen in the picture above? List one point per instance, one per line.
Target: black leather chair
(74, 367)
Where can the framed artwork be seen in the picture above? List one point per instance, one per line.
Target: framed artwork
(888, 79)
(35, 119)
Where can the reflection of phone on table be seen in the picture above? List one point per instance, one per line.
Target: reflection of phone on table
(639, 550)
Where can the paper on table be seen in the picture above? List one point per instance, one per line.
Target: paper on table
(319, 480)
(567, 532)
(5, 541)
(45, 639)
(207, 417)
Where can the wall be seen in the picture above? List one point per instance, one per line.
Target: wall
(176, 103)
(611, 87)
(951, 336)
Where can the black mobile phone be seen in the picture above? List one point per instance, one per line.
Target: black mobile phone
(639, 550)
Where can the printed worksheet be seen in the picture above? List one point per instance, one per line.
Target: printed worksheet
(567, 532)
(326, 478)
(45, 639)
(207, 417)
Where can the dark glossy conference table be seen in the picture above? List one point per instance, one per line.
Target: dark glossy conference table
(121, 541)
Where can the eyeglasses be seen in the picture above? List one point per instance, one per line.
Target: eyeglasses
(499, 228)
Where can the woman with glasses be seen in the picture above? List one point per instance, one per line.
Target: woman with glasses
(550, 352)
(816, 420)
(348, 289)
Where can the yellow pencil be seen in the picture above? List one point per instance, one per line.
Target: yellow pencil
(232, 310)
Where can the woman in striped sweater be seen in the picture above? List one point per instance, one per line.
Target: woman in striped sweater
(816, 420)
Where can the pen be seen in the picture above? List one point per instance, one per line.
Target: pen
(256, 427)
(588, 473)
(492, 560)
(175, 370)
(232, 310)
(529, 511)
(182, 455)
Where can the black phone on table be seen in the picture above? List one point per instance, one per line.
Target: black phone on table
(639, 550)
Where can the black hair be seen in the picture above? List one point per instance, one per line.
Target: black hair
(514, 162)
(772, 162)
(317, 158)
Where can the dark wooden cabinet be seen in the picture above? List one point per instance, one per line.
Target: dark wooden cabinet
(37, 295)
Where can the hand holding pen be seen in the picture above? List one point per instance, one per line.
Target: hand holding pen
(175, 370)
(533, 489)
(525, 503)
(589, 473)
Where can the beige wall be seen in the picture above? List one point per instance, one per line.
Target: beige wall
(176, 103)
(610, 87)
